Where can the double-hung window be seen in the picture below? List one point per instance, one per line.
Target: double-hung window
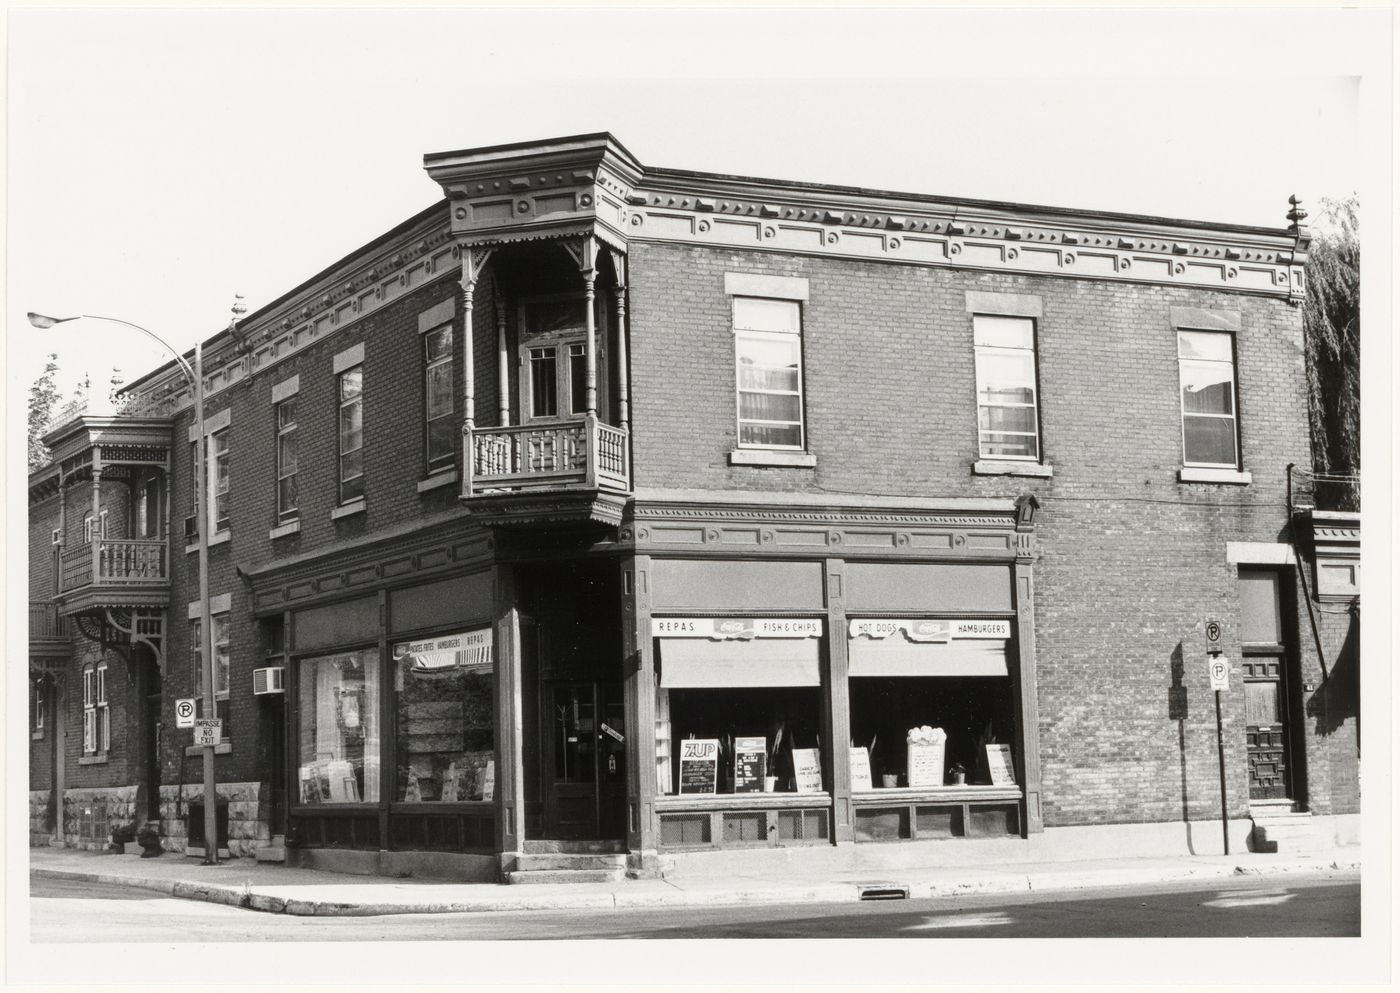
(286, 414)
(1008, 417)
(1209, 429)
(352, 434)
(768, 362)
(556, 359)
(219, 628)
(218, 479)
(97, 734)
(437, 398)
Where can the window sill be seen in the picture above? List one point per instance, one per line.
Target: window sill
(438, 480)
(282, 530)
(217, 539)
(1230, 477)
(1008, 467)
(751, 456)
(349, 510)
(99, 759)
(222, 748)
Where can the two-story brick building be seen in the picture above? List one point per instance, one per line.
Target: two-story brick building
(607, 515)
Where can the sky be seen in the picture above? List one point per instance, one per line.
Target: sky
(161, 161)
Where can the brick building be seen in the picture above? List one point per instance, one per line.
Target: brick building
(603, 515)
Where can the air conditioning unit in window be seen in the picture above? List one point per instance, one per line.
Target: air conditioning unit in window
(192, 527)
(273, 679)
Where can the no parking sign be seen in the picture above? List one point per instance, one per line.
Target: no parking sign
(1219, 673)
(184, 713)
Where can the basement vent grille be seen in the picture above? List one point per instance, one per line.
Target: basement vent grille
(884, 892)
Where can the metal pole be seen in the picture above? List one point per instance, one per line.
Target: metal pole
(1220, 746)
(206, 634)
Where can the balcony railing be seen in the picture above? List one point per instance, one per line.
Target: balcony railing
(45, 623)
(582, 454)
(117, 562)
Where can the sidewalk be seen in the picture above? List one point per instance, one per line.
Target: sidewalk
(307, 892)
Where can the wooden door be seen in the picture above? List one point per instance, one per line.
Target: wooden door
(585, 775)
(1266, 728)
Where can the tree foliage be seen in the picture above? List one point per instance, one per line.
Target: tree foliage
(1332, 339)
(43, 394)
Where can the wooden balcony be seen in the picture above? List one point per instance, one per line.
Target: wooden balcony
(47, 628)
(115, 572)
(553, 472)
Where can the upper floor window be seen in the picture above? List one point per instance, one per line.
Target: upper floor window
(286, 416)
(36, 723)
(556, 358)
(219, 479)
(1008, 419)
(768, 361)
(97, 732)
(219, 636)
(1209, 430)
(352, 432)
(437, 396)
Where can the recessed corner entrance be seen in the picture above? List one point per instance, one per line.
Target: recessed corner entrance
(585, 760)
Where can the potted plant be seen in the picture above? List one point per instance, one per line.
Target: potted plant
(149, 840)
(121, 836)
(957, 774)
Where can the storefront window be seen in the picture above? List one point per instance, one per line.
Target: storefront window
(911, 680)
(338, 706)
(446, 726)
(739, 705)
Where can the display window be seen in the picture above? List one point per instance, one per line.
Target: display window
(931, 702)
(738, 705)
(445, 707)
(338, 728)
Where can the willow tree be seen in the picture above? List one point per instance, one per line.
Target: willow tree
(1332, 339)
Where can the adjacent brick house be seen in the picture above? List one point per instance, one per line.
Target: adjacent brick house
(604, 516)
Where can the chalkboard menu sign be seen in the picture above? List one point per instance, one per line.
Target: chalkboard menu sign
(750, 764)
(699, 765)
(807, 770)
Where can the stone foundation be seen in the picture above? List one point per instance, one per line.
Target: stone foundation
(91, 815)
(40, 827)
(248, 828)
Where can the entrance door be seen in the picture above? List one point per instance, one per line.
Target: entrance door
(1266, 740)
(586, 774)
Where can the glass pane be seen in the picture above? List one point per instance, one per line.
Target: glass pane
(755, 314)
(351, 427)
(1007, 332)
(440, 438)
(575, 734)
(446, 735)
(1261, 621)
(438, 344)
(338, 728)
(439, 399)
(578, 380)
(1018, 419)
(1001, 369)
(543, 383)
(350, 383)
(1261, 703)
(1010, 445)
(352, 488)
(287, 494)
(1205, 345)
(770, 407)
(287, 453)
(1210, 440)
(768, 363)
(1207, 388)
(553, 315)
(770, 435)
(286, 414)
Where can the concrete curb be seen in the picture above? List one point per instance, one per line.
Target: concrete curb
(670, 895)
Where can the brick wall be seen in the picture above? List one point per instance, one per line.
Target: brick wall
(1131, 561)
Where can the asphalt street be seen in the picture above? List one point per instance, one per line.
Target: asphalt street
(1321, 905)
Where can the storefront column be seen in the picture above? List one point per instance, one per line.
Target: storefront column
(836, 702)
(639, 698)
(1030, 712)
(60, 755)
(510, 739)
(388, 700)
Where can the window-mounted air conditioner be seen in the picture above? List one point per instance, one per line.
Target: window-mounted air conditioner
(192, 527)
(273, 679)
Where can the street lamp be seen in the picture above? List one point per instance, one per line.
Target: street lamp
(195, 375)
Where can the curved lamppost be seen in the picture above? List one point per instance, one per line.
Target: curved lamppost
(195, 374)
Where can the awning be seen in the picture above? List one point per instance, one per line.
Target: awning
(691, 663)
(896, 656)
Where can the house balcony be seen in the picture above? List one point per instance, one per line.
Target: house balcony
(49, 632)
(542, 473)
(115, 573)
